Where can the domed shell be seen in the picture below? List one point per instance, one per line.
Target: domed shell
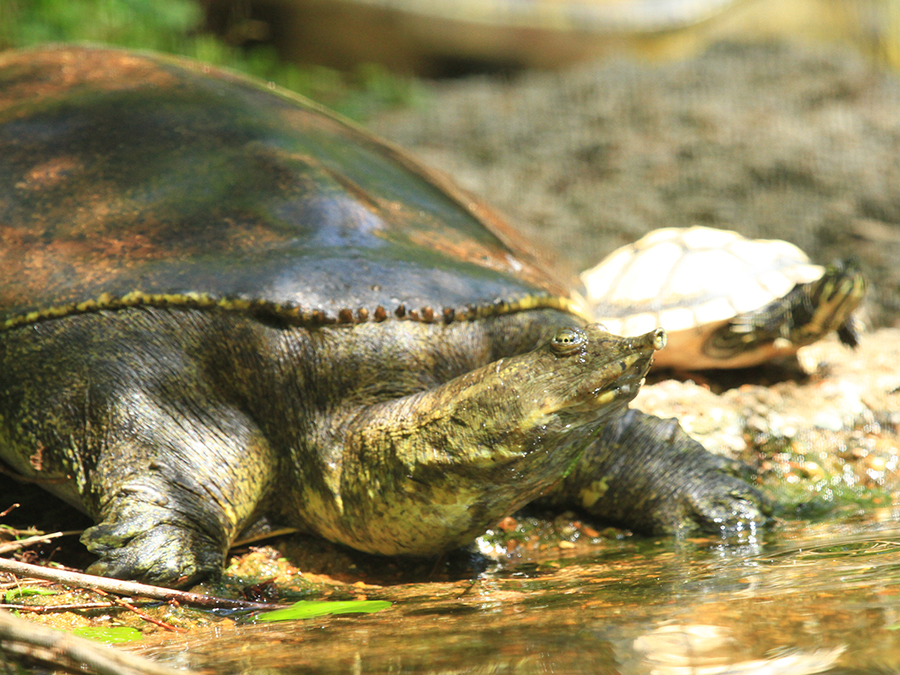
(690, 280)
(130, 180)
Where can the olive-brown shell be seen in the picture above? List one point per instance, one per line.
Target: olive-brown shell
(130, 179)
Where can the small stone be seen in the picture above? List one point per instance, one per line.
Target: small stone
(813, 470)
(828, 421)
(876, 463)
(508, 524)
(589, 531)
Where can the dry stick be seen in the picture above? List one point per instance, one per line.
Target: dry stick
(22, 543)
(45, 609)
(29, 639)
(128, 588)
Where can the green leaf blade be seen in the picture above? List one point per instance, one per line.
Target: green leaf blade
(307, 609)
(109, 634)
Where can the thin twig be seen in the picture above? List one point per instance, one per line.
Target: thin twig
(128, 588)
(271, 534)
(17, 583)
(24, 543)
(43, 609)
(28, 639)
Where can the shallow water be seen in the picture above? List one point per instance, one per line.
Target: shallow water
(810, 598)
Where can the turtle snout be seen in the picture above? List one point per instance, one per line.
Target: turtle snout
(653, 341)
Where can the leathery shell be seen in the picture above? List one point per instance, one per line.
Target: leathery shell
(130, 180)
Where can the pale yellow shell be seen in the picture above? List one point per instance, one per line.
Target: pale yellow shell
(691, 280)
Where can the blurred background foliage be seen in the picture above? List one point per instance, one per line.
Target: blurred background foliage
(362, 46)
(179, 27)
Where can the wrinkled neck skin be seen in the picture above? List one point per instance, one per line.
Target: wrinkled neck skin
(429, 471)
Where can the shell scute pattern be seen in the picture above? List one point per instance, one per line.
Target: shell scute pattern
(684, 278)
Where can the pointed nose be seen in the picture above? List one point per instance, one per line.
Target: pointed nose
(654, 340)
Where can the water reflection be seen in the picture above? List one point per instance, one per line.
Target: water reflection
(814, 598)
(675, 649)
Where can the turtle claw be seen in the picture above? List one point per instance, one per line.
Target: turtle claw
(716, 509)
(722, 499)
(148, 549)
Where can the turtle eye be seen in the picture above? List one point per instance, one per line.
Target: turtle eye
(567, 341)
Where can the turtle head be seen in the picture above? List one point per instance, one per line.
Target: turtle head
(589, 370)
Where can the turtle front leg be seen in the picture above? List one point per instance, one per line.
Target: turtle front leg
(647, 474)
(172, 493)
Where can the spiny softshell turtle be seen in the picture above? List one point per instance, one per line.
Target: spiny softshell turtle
(220, 302)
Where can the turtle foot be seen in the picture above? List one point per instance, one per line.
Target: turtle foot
(719, 502)
(145, 545)
(647, 474)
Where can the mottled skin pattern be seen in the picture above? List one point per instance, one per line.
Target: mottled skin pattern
(178, 361)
